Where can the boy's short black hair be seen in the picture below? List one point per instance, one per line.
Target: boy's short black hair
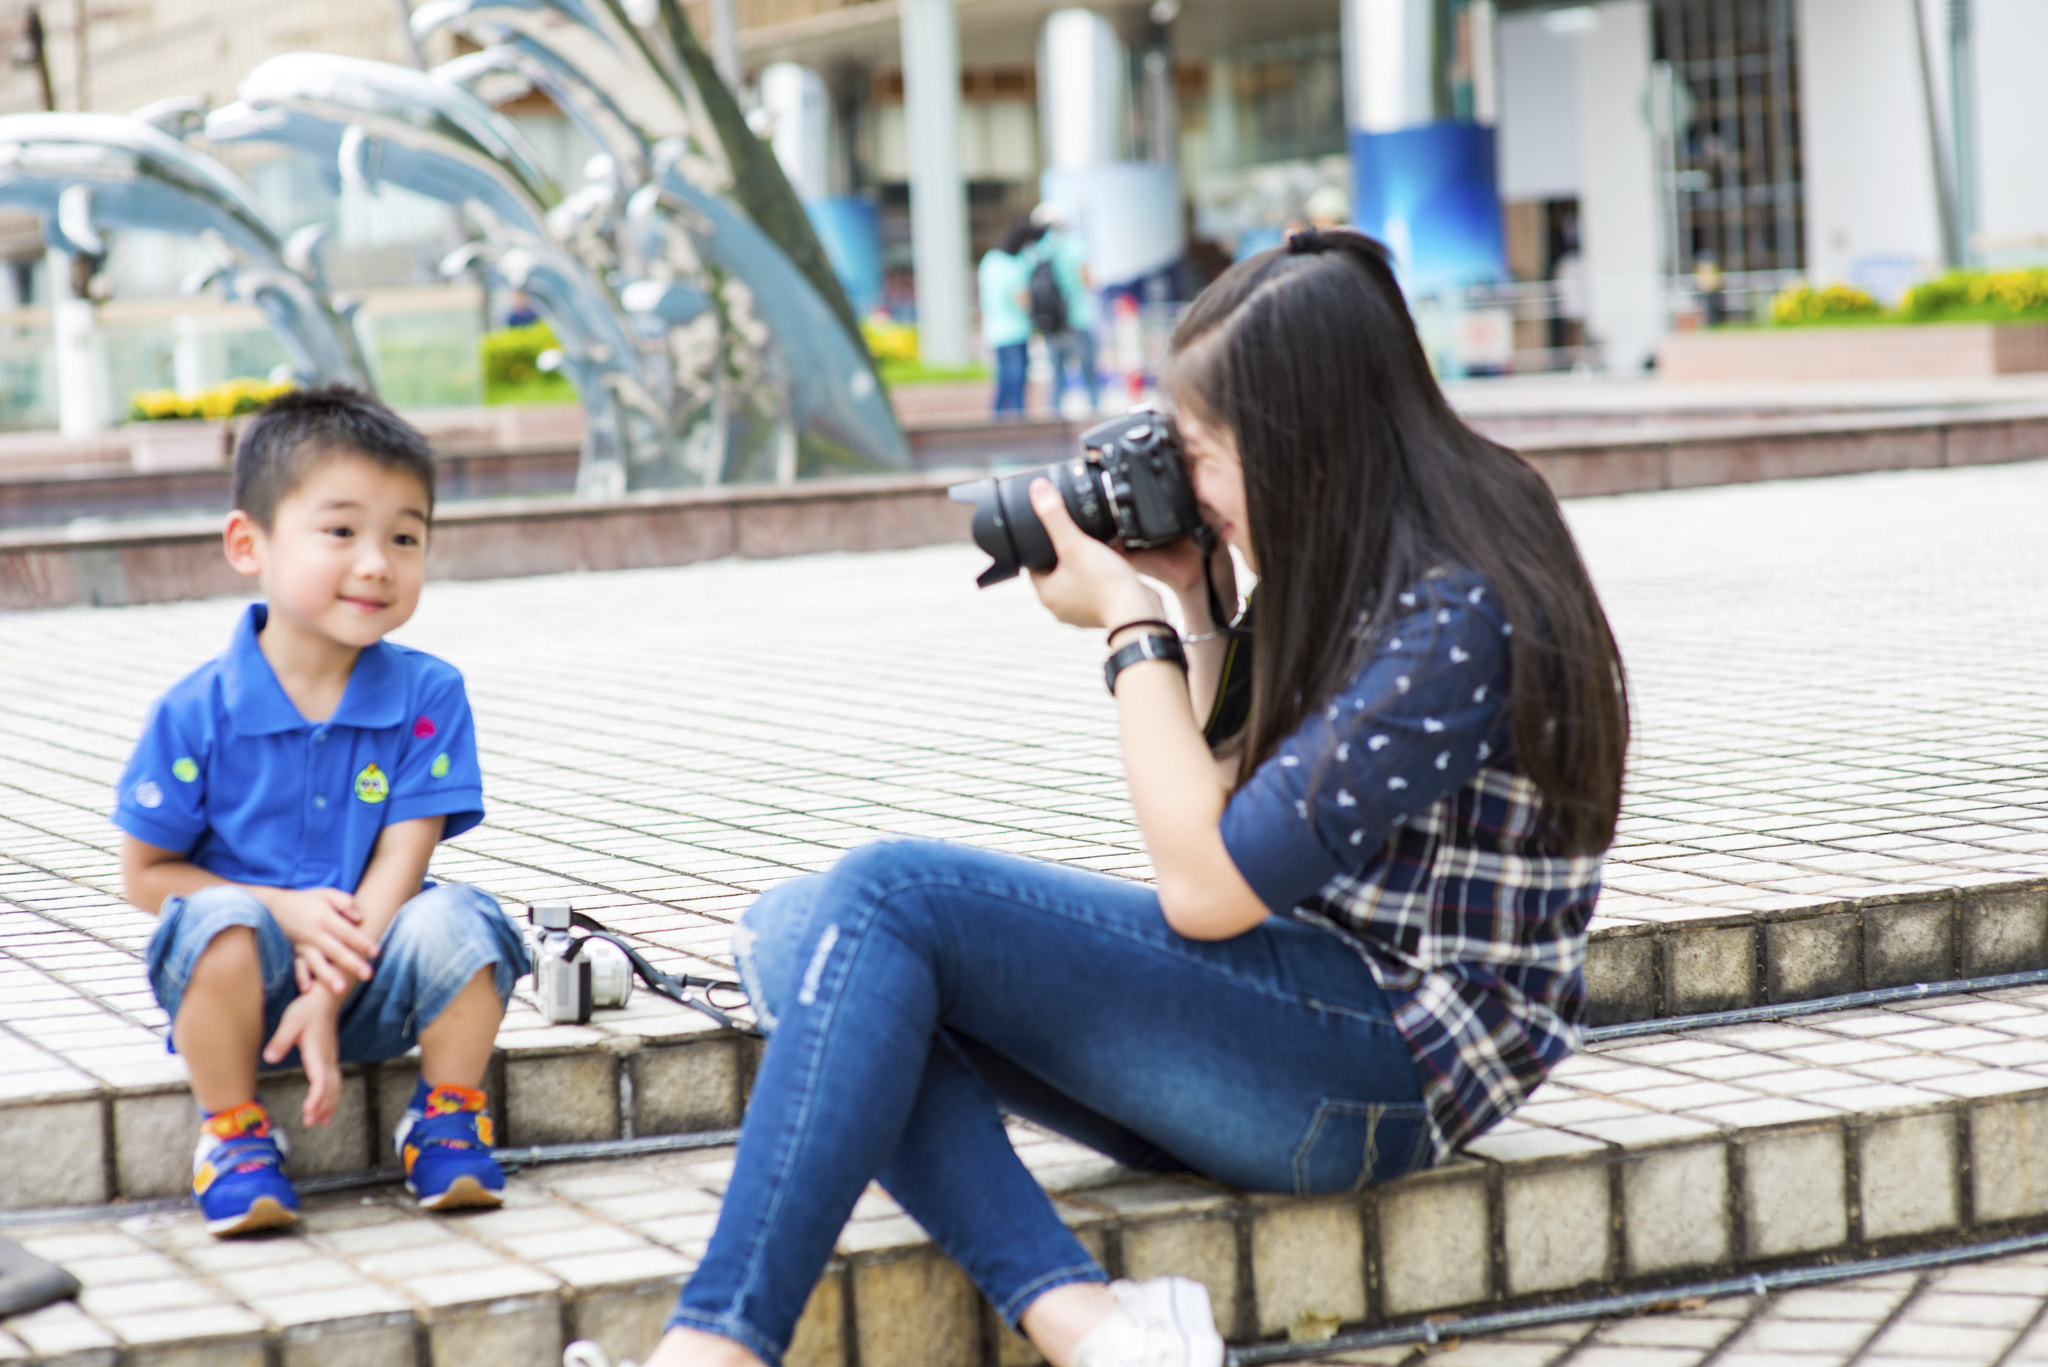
(296, 431)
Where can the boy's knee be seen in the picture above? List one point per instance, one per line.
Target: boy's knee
(445, 918)
(232, 956)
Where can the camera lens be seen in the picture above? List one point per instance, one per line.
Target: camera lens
(1099, 493)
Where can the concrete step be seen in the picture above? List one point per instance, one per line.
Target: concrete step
(86, 1077)
(1653, 1161)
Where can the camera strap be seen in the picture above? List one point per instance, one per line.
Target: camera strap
(677, 987)
(1220, 621)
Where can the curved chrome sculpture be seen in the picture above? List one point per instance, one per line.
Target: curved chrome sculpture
(706, 211)
(699, 319)
(85, 171)
(371, 123)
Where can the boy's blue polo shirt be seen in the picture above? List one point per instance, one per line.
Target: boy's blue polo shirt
(229, 774)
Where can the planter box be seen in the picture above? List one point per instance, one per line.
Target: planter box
(184, 444)
(1878, 352)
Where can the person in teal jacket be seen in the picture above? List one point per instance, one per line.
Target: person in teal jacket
(1072, 347)
(1004, 279)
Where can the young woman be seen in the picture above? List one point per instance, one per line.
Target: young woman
(1365, 941)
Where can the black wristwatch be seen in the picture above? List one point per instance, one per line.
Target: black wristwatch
(1152, 646)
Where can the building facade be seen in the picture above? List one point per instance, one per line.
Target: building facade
(1563, 183)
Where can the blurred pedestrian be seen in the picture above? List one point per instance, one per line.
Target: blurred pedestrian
(521, 313)
(1004, 279)
(1063, 305)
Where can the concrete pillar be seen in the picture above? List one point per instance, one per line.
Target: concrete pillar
(1389, 51)
(938, 196)
(1224, 150)
(1081, 91)
(1618, 233)
(801, 119)
(1869, 156)
(80, 350)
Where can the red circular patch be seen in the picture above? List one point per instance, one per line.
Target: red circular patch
(423, 728)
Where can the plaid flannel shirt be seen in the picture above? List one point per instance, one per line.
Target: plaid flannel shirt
(1396, 819)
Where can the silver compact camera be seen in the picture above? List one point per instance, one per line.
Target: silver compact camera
(575, 974)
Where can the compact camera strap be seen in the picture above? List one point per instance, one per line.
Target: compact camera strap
(677, 987)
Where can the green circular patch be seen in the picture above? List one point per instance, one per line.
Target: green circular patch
(439, 768)
(186, 770)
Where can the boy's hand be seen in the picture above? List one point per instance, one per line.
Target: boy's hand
(326, 920)
(309, 1026)
(311, 968)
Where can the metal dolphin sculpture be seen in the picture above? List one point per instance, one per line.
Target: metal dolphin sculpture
(793, 349)
(85, 171)
(372, 122)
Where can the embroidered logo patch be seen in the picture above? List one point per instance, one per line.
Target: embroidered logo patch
(147, 794)
(186, 769)
(423, 728)
(439, 768)
(371, 785)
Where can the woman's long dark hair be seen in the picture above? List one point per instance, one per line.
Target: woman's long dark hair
(1359, 479)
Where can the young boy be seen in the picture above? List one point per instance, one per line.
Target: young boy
(280, 810)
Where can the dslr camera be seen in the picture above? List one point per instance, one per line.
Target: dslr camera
(1130, 485)
(574, 974)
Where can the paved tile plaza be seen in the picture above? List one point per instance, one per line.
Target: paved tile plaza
(1836, 686)
(1837, 697)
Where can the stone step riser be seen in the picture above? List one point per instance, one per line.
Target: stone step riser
(133, 1142)
(137, 1144)
(1725, 962)
(1472, 1236)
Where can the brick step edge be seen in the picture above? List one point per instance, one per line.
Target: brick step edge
(1477, 1234)
(104, 1144)
(1721, 962)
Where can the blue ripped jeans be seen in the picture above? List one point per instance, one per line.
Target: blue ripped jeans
(919, 990)
(436, 943)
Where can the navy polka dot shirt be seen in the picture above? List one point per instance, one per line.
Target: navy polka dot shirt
(1396, 818)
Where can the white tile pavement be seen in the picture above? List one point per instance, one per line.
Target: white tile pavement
(1836, 685)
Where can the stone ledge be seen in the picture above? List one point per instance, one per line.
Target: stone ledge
(657, 1068)
(176, 559)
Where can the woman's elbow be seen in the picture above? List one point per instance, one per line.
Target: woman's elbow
(1196, 910)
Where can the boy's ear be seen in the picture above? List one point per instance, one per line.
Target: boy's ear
(242, 540)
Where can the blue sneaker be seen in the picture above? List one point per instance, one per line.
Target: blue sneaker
(445, 1143)
(238, 1176)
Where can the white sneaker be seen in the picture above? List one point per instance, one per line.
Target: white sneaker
(584, 1353)
(1165, 1322)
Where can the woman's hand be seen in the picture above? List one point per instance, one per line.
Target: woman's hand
(1092, 585)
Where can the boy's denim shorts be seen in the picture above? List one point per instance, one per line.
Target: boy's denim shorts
(436, 943)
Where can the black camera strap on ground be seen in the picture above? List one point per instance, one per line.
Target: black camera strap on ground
(677, 987)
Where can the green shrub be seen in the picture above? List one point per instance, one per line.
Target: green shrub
(512, 372)
(229, 399)
(1978, 295)
(1801, 302)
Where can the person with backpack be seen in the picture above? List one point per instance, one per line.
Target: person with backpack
(1004, 283)
(1063, 305)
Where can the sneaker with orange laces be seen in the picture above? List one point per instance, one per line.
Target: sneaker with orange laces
(445, 1142)
(238, 1178)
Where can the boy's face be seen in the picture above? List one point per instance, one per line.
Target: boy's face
(346, 554)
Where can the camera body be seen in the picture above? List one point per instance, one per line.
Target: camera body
(1130, 485)
(573, 975)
